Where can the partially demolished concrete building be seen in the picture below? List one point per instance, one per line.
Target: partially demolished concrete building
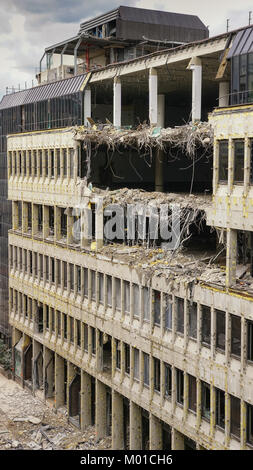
(150, 344)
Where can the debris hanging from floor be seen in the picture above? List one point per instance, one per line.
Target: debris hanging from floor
(187, 138)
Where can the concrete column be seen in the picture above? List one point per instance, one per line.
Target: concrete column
(212, 410)
(87, 105)
(100, 418)
(117, 421)
(69, 163)
(18, 163)
(99, 224)
(231, 256)
(36, 350)
(85, 400)
(14, 215)
(155, 433)
(45, 210)
(215, 166)
(223, 94)
(247, 153)
(243, 424)
(35, 219)
(57, 223)
(84, 229)
(70, 222)
(117, 102)
(227, 418)
(153, 98)
(135, 427)
(24, 217)
(196, 68)
(177, 440)
(243, 343)
(48, 373)
(198, 407)
(59, 381)
(71, 375)
(230, 166)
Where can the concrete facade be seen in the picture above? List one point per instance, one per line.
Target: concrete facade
(160, 360)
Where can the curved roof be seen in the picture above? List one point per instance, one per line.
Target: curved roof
(43, 92)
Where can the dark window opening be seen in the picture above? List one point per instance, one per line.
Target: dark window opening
(223, 160)
(220, 408)
(180, 315)
(206, 326)
(157, 307)
(220, 329)
(239, 161)
(157, 375)
(146, 369)
(235, 335)
(167, 380)
(192, 309)
(127, 358)
(205, 400)
(192, 393)
(180, 386)
(249, 424)
(235, 416)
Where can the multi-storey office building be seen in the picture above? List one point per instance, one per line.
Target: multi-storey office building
(151, 346)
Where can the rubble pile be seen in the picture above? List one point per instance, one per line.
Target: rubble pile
(28, 423)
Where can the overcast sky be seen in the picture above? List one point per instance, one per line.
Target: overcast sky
(28, 26)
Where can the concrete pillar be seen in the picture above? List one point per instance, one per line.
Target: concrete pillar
(24, 217)
(87, 105)
(35, 219)
(85, 400)
(70, 223)
(48, 373)
(223, 94)
(155, 433)
(14, 215)
(59, 381)
(196, 68)
(231, 256)
(99, 224)
(36, 350)
(57, 223)
(86, 220)
(159, 171)
(227, 418)
(45, 221)
(117, 421)
(177, 440)
(100, 418)
(135, 427)
(117, 102)
(153, 98)
(230, 168)
(70, 376)
(243, 424)
(247, 165)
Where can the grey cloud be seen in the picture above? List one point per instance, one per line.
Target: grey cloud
(62, 11)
